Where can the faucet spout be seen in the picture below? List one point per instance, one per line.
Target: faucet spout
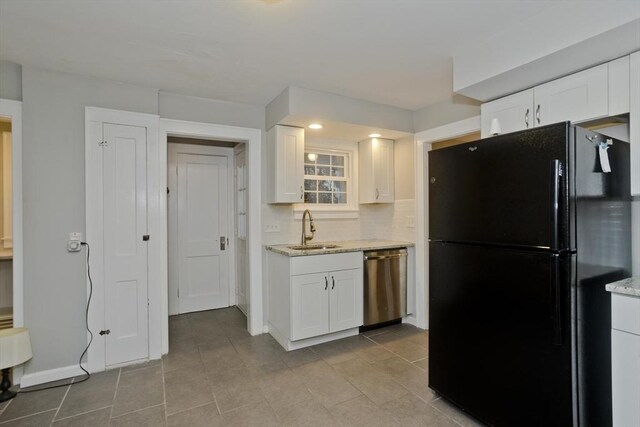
(304, 238)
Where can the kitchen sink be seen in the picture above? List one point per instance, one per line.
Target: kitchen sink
(316, 247)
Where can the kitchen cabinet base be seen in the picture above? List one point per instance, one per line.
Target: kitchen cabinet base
(289, 345)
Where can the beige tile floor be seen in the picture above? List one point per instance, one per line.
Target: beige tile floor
(216, 374)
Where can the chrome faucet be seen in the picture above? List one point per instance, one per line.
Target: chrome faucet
(305, 238)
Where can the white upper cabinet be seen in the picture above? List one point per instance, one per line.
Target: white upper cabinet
(376, 177)
(587, 95)
(513, 112)
(285, 164)
(578, 97)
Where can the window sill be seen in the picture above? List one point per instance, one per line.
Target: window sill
(325, 213)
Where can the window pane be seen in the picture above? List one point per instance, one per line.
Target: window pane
(337, 171)
(324, 159)
(340, 186)
(324, 185)
(310, 157)
(310, 198)
(324, 197)
(324, 170)
(340, 198)
(337, 160)
(309, 170)
(310, 184)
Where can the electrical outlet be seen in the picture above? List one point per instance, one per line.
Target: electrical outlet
(75, 242)
(411, 221)
(271, 227)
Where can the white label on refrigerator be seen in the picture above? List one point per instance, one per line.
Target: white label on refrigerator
(604, 157)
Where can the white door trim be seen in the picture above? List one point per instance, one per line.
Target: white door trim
(13, 109)
(253, 139)
(94, 118)
(172, 153)
(423, 141)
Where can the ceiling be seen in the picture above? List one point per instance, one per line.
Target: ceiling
(395, 52)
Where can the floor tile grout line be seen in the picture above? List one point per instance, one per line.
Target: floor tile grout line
(81, 413)
(444, 413)
(164, 391)
(115, 393)
(137, 410)
(62, 401)
(26, 416)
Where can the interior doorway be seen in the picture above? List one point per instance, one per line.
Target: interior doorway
(11, 286)
(201, 227)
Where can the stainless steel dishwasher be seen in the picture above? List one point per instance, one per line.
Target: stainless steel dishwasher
(385, 286)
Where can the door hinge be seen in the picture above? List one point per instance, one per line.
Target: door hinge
(102, 143)
(145, 238)
(105, 332)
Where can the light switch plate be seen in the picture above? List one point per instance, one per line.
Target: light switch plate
(411, 221)
(271, 227)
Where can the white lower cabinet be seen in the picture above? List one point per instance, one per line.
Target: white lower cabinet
(315, 298)
(322, 303)
(625, 360)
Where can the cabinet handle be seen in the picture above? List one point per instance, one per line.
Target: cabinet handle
(326, 283)
(301, 193)
(377, 194)
(538, 114)
(526, 118)
(333, 282)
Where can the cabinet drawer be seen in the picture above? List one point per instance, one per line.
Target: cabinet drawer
(323, 263)
(625, 373)
(625, 313)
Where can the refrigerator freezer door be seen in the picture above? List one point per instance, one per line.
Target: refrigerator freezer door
(508, 190)
(500, 333)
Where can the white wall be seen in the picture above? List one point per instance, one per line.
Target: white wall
(10, 81)
(404, 181)
(179, 107)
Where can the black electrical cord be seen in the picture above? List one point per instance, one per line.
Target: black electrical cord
(86, 319)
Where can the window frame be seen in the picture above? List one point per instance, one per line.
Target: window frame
(349, 149)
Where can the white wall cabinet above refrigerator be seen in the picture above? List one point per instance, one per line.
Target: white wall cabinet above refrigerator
(594, 93)
(285, 164)
(376, 177)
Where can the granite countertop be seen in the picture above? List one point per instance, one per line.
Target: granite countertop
(630, 286)
(343, 246)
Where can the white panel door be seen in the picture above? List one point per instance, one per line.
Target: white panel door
(125, 251)
(203, 233)
(309, 305)
(578, 97)
(345, 299)
(514, 113)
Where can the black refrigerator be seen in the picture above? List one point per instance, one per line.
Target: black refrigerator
(525, 230)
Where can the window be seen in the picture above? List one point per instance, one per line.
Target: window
(326, 177)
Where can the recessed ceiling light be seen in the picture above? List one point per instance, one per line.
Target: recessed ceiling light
(374, 135)
(315, 126)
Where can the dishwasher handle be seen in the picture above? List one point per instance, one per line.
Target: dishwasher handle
(399, 255)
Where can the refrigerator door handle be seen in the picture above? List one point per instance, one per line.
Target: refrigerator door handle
(556, 182)
(556, 305)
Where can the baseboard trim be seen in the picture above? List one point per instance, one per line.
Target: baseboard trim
(50, 375)
(411, 320)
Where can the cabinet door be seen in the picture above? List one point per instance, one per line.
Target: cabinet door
(309, 305)
(625, 364)
(376, 183)
(578, 97)
(514, 112)
(345, 299)
(285, 151)
(383, 170)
